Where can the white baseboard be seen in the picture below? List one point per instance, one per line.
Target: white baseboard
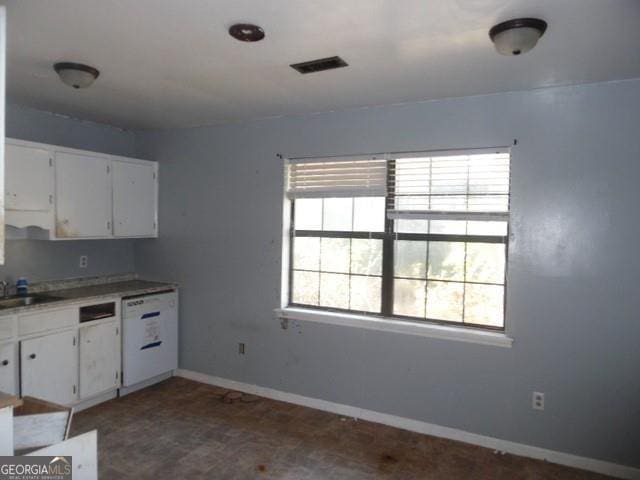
(144, 384)
(593, 465)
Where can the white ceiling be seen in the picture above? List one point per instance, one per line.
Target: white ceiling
(171, 63)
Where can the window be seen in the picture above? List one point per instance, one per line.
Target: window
(411, 236)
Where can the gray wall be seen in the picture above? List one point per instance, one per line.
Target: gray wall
(38, 126)
(573, 267)
(39, 260)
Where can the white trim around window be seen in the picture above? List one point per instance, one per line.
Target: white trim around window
(461, 334)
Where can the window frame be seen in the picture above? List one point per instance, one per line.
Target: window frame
(388, 237)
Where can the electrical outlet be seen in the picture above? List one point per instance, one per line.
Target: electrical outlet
(241, 348)
(538, 401)
(84, 261)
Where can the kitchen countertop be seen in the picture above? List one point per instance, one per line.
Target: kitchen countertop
(89, 290)
(126, 288)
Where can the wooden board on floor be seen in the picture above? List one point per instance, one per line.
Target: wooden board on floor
(83, 450)
(6, 431)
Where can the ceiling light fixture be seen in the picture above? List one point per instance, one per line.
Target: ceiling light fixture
(246, 32)
(517, 36)
(76, 75)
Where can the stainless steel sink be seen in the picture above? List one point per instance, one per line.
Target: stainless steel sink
(15, 301)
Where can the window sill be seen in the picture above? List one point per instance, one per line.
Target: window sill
(460, 334)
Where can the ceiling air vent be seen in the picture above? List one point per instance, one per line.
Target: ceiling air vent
(319, 65)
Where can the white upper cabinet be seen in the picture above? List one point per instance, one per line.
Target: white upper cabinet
(83, 196)
(135, 196)
(73, 194)
(29, 179)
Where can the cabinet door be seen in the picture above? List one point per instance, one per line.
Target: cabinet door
(99, 358)
(8, 368)
(134, 199)
(83, 196)
(49, 367)
(29, 178)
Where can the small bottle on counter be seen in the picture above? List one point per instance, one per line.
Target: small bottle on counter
(22, 286)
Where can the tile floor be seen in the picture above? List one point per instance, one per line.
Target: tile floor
(189, 430)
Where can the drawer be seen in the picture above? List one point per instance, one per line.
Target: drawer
(47, 320)
(7, 327)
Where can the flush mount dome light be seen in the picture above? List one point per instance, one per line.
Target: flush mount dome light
(246, 32)
(76, 75)
(517, 36)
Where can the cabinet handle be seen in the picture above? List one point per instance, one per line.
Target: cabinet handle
(108, 225)
(74, 389)
(32, 356)
(5, 363)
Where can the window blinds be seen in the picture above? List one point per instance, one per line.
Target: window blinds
(337, 178)
(444, 185)
(451, 186)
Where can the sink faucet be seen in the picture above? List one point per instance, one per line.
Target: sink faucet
(4, 288)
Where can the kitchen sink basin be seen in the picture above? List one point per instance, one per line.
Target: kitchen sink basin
(23, 301)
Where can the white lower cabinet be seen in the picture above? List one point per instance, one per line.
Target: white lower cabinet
(64, 355)
(99, 358)
(49, 367)
(8, 368)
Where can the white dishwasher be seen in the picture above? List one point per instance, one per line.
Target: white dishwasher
(149, 336)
